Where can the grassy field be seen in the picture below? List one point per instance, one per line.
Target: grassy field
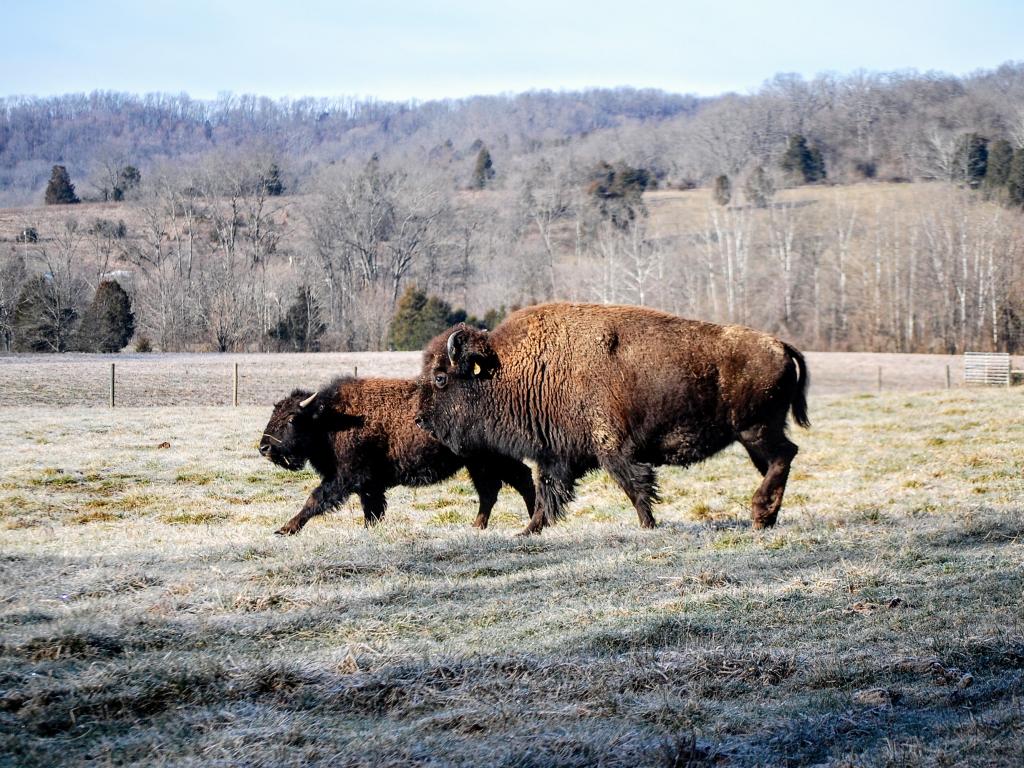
(187, 378)
(149, 617)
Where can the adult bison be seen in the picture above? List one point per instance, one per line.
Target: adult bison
(581, 386)
(360, 436)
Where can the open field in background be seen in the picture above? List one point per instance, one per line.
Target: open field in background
(185, 379)
(675, 213)
(205, 379)
(672, 212)
(149, 617)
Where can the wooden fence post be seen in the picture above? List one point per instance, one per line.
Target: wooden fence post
(355, 372)
(879, 378)
(949, 380)
(234, 387)
(111, 385)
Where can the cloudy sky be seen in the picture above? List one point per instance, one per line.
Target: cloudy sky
(423, 50)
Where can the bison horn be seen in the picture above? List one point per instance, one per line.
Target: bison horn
(308, 400)
(451, 346)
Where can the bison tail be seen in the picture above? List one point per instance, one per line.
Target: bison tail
(803, 380)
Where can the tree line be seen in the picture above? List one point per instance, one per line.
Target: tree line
(889, 125)
(219, 255)
(315, 242)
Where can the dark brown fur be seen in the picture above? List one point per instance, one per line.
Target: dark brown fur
(360, 436)
(581, 386)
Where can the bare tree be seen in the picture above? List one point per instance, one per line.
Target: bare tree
(728, 241)
(60, 259)
(13, 275)
(371, 230)
(546, 200)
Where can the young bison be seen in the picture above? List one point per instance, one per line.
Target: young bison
(360, 437)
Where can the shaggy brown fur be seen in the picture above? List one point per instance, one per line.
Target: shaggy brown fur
(581, 386)
(360, 437)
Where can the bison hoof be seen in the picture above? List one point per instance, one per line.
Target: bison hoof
(287, 530)
(760, 523)
(481, 523)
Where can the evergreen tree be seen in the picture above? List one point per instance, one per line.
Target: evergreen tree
(1015, 179)
(272, 183)
(815, 170)
(493, 317)
(997, 169)
(41, 324)
(722, 190)
(618, 191)
(759, 188)
(302, 326)
(972, 159)
(483, 171)
(418, 318)
(128, 178)
(803, 162)
(796, 157)
(60, 190)
(108, 322)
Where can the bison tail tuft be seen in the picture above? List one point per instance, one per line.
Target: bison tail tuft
(558, 491)
(554, 516)
(803, 380)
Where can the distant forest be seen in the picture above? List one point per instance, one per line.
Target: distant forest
(898, 124)
(230, 223)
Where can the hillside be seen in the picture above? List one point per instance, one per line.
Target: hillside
(872, 266)
(865, 124)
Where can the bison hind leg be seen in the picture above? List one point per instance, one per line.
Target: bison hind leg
(772, 453)
(374, 505)
(639, 482)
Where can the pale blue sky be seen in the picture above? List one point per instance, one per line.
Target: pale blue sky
(400, 50)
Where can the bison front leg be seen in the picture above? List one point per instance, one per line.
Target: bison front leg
(772, 454)
(519, 476)
(324, 497)
(487, 484)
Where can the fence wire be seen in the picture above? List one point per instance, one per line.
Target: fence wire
(159, 380)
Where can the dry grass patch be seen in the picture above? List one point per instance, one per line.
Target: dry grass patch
(147, 609)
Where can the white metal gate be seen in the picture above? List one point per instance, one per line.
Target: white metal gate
(987, 368)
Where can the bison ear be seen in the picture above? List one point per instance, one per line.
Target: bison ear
(469, 352)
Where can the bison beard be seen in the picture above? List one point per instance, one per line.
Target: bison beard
(580, 386)
(360, 436)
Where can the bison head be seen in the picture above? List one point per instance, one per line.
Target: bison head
(456, 365)
(297, 427)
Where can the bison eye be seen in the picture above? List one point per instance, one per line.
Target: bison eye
(440, 380)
